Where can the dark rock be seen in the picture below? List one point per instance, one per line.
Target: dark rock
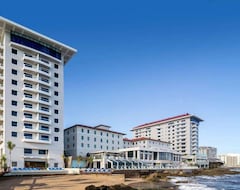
(91, 187)
(114, 187)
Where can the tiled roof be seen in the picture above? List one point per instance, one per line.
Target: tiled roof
(95, 128)
(142, 139)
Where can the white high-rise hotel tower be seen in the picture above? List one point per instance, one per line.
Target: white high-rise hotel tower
(31, 96)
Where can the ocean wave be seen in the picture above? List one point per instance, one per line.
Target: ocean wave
(225, 182)
(194, 186)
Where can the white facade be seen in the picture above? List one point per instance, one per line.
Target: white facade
(79, 140)
(181, 131)
(31, 96)
(140, 153)
(209, 152)
(230, 160)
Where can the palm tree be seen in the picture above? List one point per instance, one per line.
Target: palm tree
(10, 146)
(79, 159)
(65, 160)
(89, 161)
(3, 161)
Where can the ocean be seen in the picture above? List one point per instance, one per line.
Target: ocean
(225, 182)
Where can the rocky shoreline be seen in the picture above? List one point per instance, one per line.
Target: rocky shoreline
(161, 179)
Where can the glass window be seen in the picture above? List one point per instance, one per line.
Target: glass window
(14, 51)
(27, 95)
(55, 93)
(28, 75)
(56, 75)
(14, 71)
(44, 128)
(56, 66)
(24, 40)
(14, 123)
(28, 135)
(56, 111)
(14, 82)
(14, 61)
(14, 134)
(44, 118)
(14, 113)
(44, 99)
(55, 138)
(43, 108)
(14, 92)
(55, 120)
(14, 103)
(56, 84)
(44, 137)
(44, 89)
(28, 85)
(56, 130)
(27, 151)
(42, 151)
(28, 65)
(28, 115)
(28, 125)
(55, 102)
(26, 105)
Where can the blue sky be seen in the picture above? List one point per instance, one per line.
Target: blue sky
(140, 61)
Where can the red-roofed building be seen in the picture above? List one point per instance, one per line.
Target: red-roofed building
(181, 131)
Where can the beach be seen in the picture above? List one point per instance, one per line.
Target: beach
(66, 182)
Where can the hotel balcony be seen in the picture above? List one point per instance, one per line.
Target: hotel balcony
(36, 131)
(34, 90)
(34, 100)
(44, 112)
(42, 72)
(44, 102)
(32, 110)
(31, 79)
(44, 62)
(41, 81)
(44, 92)
(37, 141)
(31, 69)
(44, 121)
(31, 120)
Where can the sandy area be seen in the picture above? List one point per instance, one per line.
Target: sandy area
(55, 182)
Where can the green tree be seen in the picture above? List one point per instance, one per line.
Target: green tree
(89, 160)
(3, 160)
(65, 160)
(10, 147)
(79, 159)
